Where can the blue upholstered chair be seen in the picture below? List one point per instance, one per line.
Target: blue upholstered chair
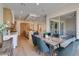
(34, 40)
(42, 46)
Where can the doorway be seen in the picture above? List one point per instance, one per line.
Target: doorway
(54, 27)
(24, 28)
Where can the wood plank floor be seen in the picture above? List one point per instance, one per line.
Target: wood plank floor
(25, 48)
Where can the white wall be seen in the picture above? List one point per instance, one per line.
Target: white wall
(1, 12)
(70, 26)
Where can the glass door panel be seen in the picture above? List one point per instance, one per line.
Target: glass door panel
(54, 27)
(61, 28)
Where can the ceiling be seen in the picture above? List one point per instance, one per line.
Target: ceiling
(22, 9)
(68, 16)
(36, 10)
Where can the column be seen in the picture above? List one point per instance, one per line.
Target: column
(47, 24)
(59, 25)
(77, 24)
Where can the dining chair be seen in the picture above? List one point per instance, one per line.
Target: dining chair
(42, 46)
(34, 40)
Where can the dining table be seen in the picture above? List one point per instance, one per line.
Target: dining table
(51, 41)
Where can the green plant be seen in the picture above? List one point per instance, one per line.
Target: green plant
(2, 26)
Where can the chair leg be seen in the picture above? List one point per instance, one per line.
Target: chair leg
(54, 53)
(41, 53)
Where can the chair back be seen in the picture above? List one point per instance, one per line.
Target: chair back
(34, 40)
(41, 45)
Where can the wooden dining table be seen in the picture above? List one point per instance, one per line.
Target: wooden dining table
(51, 41)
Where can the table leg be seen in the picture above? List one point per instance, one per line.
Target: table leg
(59, 46)
(51, 50)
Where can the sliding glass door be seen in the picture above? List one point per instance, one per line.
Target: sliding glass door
(61, 28)
(57, 27)
(54, 27)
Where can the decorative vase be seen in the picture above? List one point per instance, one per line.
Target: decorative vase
(46, 36)
(1, 40)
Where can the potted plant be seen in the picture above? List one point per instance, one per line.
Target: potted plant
(2, 27)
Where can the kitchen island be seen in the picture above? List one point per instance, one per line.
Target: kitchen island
(14, 36)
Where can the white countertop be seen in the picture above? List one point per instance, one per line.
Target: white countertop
(6, 37)
(13, 35)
